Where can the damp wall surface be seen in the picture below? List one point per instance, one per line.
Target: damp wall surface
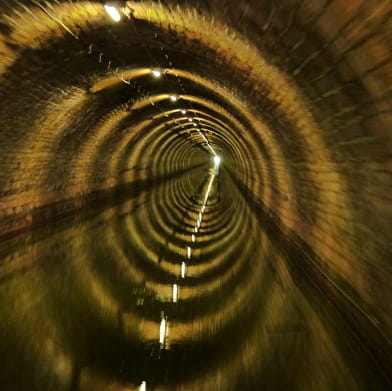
(131, 259)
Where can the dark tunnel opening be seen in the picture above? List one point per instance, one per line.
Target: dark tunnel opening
(194, 195)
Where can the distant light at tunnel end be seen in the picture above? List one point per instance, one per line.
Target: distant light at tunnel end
(113, 13)
(217, 160)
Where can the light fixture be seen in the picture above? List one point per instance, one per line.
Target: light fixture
(173, 98)
(194, 124)
(183, 111)
(217, 160)
(113, 13)
(142, 386)
(157, 73)
(190, 119)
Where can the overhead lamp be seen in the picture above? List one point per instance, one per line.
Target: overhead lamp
(157, 73)
(183, 111)
(113, 13)
(190, 119)
(173, 98)
(194, 124)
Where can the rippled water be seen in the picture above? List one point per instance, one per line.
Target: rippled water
(88, 301)
(194, 195)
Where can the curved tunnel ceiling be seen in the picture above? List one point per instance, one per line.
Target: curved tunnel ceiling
(195, 196)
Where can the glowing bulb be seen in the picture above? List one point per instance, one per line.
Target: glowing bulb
(190, 119)
(193, 238)
(173, 98)
(183, 111)
(113, 13)
(194, 124)
(157, 73)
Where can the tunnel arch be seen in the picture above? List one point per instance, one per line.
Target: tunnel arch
(268, 270)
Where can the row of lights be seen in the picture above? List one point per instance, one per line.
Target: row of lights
(175, 288)
(163, 329)
(157, 73)
(197, 226)
(115, 15)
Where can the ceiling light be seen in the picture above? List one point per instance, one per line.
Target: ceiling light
(157, 73)
(173, 98)
(183, 111)
(113, 13)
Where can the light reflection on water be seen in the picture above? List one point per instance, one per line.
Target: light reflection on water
(87, 303)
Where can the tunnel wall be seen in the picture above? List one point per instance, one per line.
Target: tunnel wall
(294, 94)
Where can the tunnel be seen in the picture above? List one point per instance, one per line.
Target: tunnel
(195, 195)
